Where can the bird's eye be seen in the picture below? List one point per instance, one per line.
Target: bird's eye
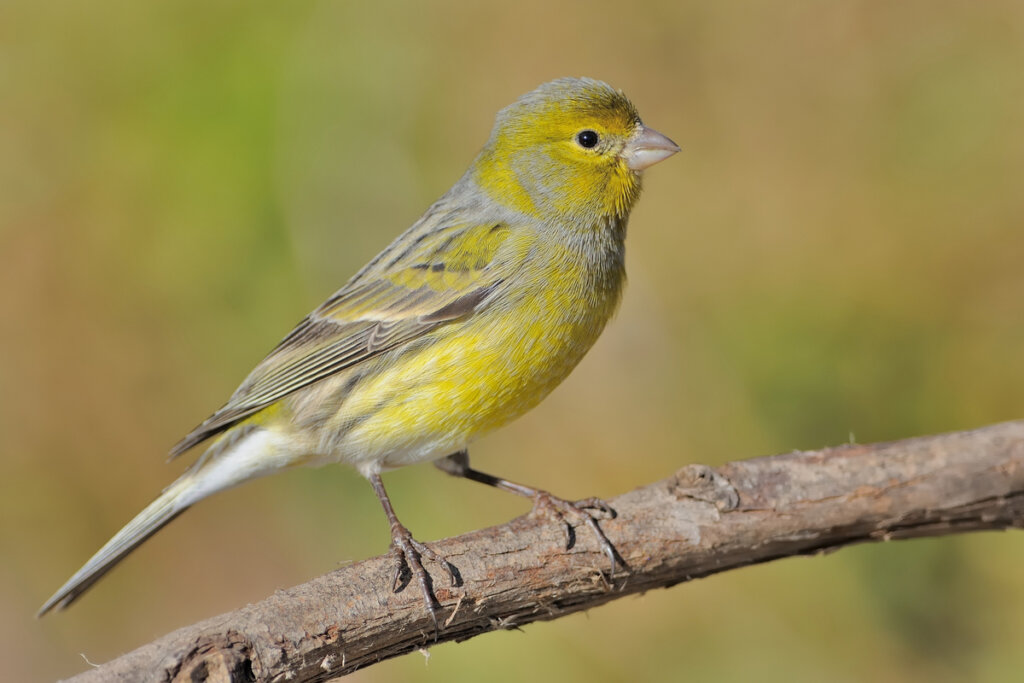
(587, 138)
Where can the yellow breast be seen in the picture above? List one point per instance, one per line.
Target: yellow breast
(476, 375)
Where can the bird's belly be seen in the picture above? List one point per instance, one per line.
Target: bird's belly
(467, 380)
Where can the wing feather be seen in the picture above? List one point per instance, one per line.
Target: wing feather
(431, 276)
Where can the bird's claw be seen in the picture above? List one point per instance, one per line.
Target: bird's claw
(606, 510)
(409, 554)
(586, 511)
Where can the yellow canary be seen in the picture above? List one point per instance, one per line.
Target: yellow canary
(462, 324)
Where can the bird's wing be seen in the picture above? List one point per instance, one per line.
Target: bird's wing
(428, 277)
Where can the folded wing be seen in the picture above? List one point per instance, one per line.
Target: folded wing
(427, 278)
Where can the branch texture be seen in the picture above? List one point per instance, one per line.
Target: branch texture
(699, 521)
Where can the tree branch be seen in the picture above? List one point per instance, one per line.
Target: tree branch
(697, 522)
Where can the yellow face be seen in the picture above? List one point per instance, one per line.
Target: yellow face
(558, 153)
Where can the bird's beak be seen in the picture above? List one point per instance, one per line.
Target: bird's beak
(646, 148)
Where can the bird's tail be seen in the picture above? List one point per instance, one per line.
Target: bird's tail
(171, 503)
(230, 461)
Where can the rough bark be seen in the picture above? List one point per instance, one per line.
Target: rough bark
(699, 521)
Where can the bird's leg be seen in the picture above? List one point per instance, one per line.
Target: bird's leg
(588, 510)
(409, 552)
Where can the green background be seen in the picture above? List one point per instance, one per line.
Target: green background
(836, 253)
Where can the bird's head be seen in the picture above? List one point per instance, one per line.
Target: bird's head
(571, 150)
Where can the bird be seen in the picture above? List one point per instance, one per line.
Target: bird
(463, 323)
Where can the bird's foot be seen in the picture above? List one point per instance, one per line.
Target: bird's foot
(587, 511)
(409, 554)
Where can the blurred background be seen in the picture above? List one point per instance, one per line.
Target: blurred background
(836, 254)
